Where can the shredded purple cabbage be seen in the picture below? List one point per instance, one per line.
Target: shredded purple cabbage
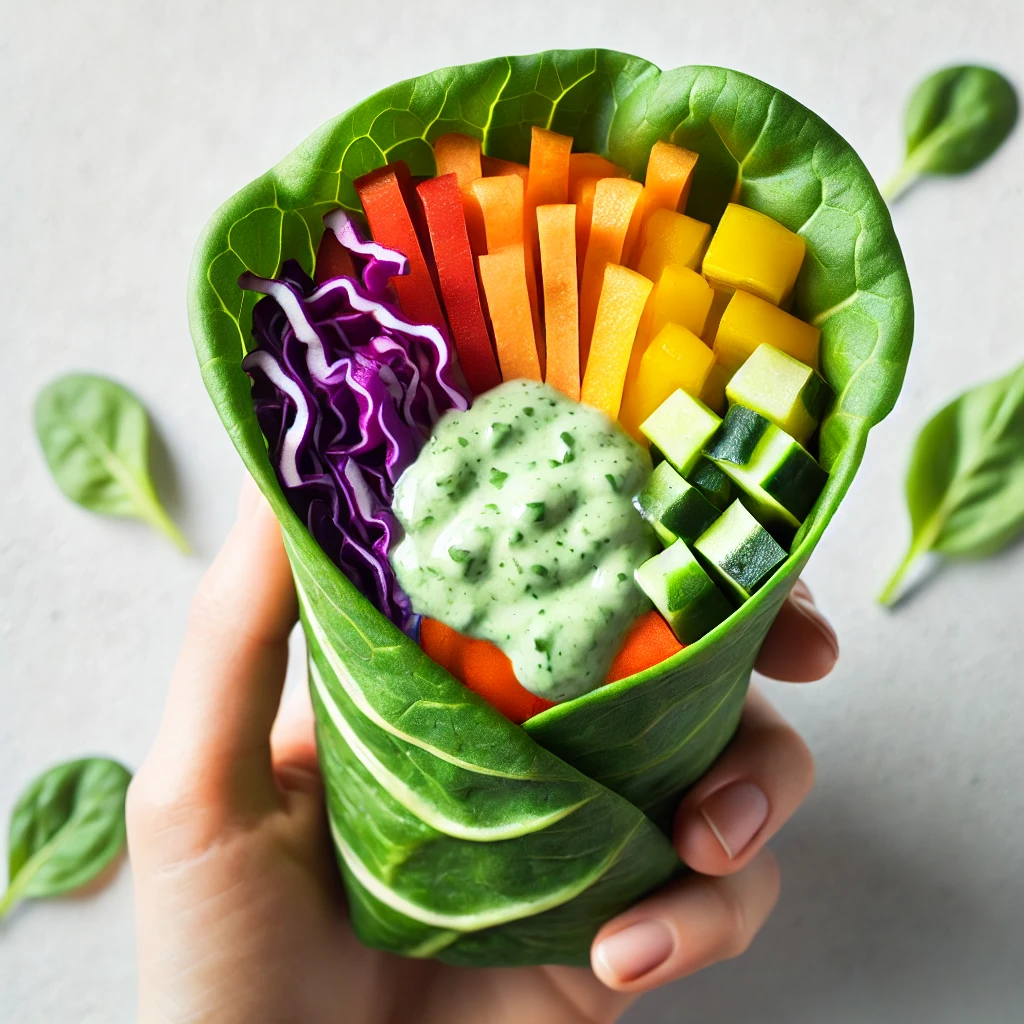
(346, 390)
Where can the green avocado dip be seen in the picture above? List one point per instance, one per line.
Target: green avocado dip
(520, 529)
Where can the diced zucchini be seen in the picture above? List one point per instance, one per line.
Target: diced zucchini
(680, 428)
(713, 483)
(780, 479)
(676, 510)
(683, 592)
(739, 552)
(783, 389)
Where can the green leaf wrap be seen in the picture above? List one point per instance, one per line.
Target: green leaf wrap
(461, 835)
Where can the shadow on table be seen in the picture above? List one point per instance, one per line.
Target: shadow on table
(859, 935)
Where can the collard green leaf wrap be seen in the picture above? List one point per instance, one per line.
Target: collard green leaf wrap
(461, 835)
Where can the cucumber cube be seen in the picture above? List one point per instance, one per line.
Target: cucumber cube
(739, 552)
(781, 481)
(782, 389)
(676, 509)
(680, 428)
(683, 592)
(713, 483)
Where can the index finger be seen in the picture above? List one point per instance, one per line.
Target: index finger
(801, 646)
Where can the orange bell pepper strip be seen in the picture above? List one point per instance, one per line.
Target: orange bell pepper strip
(618, 316)
(453, 257)
(666, 187)
(383, 194)
(332, 259)
(486, 670)
(556, 231)
(590, 165)
(503, 276)
(614, 202)
(460, 155)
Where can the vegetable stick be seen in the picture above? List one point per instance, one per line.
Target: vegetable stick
(482, 667)
(618, 315)
(590, 165)
(556, 231)
(382, 193)
(459, 154)
(501, 202)
(649, 641)
(614, 202)
(503, 275)
(494, 167)
(666, 187)
(446, 221)
(548, 181)
(332, 259)
(582, 197)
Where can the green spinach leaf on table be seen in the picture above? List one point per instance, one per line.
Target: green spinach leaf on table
(956, 119)
(965, 486)
(65, 829)
(95, 437)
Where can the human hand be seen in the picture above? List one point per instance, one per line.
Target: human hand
(239, 908)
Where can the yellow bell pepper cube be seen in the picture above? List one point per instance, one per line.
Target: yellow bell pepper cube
(713, 392)
(682, 297)
(751, 251)
(676, 358)
(749, 321)
(672, 238)
(618, 314)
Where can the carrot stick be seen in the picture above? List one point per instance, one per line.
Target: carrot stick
(486, 670)
(582, 196)
(548, 182)
(501, 202)
(503, 275)
(332, 259)
(494, 167)
(590, 165)
(459, 154)
(666, 187)
(614, 202)
(556, 230)
(618, 315)
(442, 205)
(649, 642)
(384, 193)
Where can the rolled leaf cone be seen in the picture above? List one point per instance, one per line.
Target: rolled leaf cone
(459, 834)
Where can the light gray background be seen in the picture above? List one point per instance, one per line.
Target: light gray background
(125, 123)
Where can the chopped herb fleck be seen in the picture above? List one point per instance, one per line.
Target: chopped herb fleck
(498, 478)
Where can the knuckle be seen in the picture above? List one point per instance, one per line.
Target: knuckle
(736, 935)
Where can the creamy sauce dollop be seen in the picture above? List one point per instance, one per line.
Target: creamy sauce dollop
(520, 529)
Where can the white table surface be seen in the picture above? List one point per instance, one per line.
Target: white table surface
(126, 122)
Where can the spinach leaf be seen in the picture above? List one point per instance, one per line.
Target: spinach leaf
(65, 829)
(956, 119)
(95, 437)
(546, 830)
(965, 486)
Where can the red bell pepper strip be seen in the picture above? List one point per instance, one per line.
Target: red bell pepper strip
(383, 194)
(332, 259)
(453, 257)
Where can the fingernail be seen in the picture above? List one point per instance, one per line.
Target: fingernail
(735, 814)
(810, 611)
(634, 951)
